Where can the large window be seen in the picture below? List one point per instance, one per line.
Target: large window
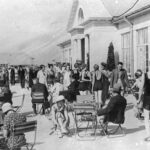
(142, 49)
(126, 51)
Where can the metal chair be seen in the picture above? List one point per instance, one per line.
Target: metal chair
(26, 127)
(38, 98)
(85, 112)
(19, 107)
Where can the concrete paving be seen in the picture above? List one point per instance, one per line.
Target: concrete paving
(133, 140)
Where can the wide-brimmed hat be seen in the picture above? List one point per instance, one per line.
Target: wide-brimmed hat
(59, 98)
(6, 107)
(117, 88)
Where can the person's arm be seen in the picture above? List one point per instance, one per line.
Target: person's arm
(111, 79)
(109, 107)
(126, 79)
(141, 87)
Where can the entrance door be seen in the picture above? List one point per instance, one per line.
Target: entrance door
(83, 50)
(143, 55)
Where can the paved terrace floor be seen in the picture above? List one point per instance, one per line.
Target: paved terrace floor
(133, 140)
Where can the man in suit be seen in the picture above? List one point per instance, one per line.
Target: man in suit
(114, 111)
(119, 76)
(41, 88)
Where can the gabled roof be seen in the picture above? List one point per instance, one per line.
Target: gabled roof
(105, 8)
(118, 7)
(91, 8)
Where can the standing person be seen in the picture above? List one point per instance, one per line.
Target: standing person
(21, 73)
(50, 75)
(75, 72)
(12, 76)
(67, 77)
(145, 91)
(85, 82)
(97, 85)
(41, 75)
(119, 76)
(105, 87)
(12, 118)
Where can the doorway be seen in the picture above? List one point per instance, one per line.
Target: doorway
(83, 50)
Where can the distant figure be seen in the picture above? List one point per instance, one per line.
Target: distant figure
(21, 73)
(12, 76)
(67, 77)
(41, 75)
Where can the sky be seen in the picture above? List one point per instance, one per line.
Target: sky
(32, 29)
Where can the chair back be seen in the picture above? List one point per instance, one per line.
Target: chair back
(85, 98)
(24, 127)
(38, 97)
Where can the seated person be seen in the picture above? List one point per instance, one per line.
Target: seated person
(60, 116)
(11, 116)
(56, 88)
(5, 94)
(114, 111)
(73, 90)
(41, 88)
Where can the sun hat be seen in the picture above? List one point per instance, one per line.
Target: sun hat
(6, 107)
(117, 88)
(59, 98)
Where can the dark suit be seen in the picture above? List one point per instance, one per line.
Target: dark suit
(122, 75)
(39, 87)
(114, 112)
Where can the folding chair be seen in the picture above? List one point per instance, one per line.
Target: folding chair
(18, 108)
(118, 121)
(85, 112)
(38, 98)
(26, 127)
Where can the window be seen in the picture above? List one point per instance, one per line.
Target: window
(126, 51)
(80, 16)
(142, 49)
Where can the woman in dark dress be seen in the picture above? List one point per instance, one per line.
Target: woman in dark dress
(85, 85)
(105, 87)
(146, 101)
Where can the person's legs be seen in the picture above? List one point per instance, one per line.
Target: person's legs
(96, 96)
(34, 108)
(99, 98)
(146, 121)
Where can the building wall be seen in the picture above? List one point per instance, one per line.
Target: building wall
(138, 23)
(100, 38)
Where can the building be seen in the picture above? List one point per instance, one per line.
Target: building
(66, 51)
(94, 24)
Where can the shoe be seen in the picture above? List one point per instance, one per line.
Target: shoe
(59, 134)
(64, 131)
(147, 139)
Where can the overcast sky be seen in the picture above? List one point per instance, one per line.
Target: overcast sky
(33, 27)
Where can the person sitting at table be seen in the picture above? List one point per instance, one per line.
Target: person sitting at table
(73, 90)
(10, 119)
(41, 88)
(114, 111)
(60, 116)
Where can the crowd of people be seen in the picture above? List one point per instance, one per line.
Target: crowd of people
(59, 83)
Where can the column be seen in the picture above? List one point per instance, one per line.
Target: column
(79, 49)
(86, 47)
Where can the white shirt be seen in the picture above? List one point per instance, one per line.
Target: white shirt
(42, 77)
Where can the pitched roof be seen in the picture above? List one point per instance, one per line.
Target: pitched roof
(118, 7)
(91, 8)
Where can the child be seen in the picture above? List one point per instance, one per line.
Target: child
(60, 116)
